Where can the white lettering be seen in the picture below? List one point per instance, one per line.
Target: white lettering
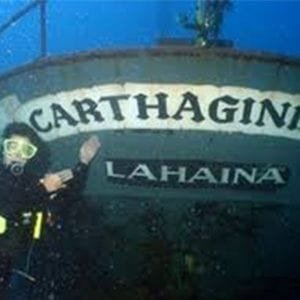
(110, 170)
(203, 174)
(166, 172)
(225, 175)
(142, 170)
(242, 173)
(271, 174)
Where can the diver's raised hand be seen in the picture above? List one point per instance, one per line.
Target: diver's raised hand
(89, 149)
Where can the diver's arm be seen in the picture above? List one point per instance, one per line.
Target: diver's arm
(87, 152)
(69, 183)
(77, 183)
(62, 182)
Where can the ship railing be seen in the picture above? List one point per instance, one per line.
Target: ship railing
(36, 4)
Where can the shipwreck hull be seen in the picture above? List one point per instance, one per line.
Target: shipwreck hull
(173, 122)
(188, 136)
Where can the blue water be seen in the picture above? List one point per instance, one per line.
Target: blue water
(271, 26)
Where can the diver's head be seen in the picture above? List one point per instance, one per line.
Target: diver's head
(23, 147)
(18, 149)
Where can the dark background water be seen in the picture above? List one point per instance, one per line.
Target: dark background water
(271, 26)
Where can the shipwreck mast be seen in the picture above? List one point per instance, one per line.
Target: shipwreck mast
(207, 22)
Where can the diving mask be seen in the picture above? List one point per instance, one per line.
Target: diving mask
(20, 148)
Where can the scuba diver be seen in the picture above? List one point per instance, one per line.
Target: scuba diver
(27, 193)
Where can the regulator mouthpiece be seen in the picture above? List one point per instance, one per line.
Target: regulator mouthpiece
(17, 168)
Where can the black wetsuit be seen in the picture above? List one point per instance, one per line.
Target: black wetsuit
(21, 194)
(18, 194)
